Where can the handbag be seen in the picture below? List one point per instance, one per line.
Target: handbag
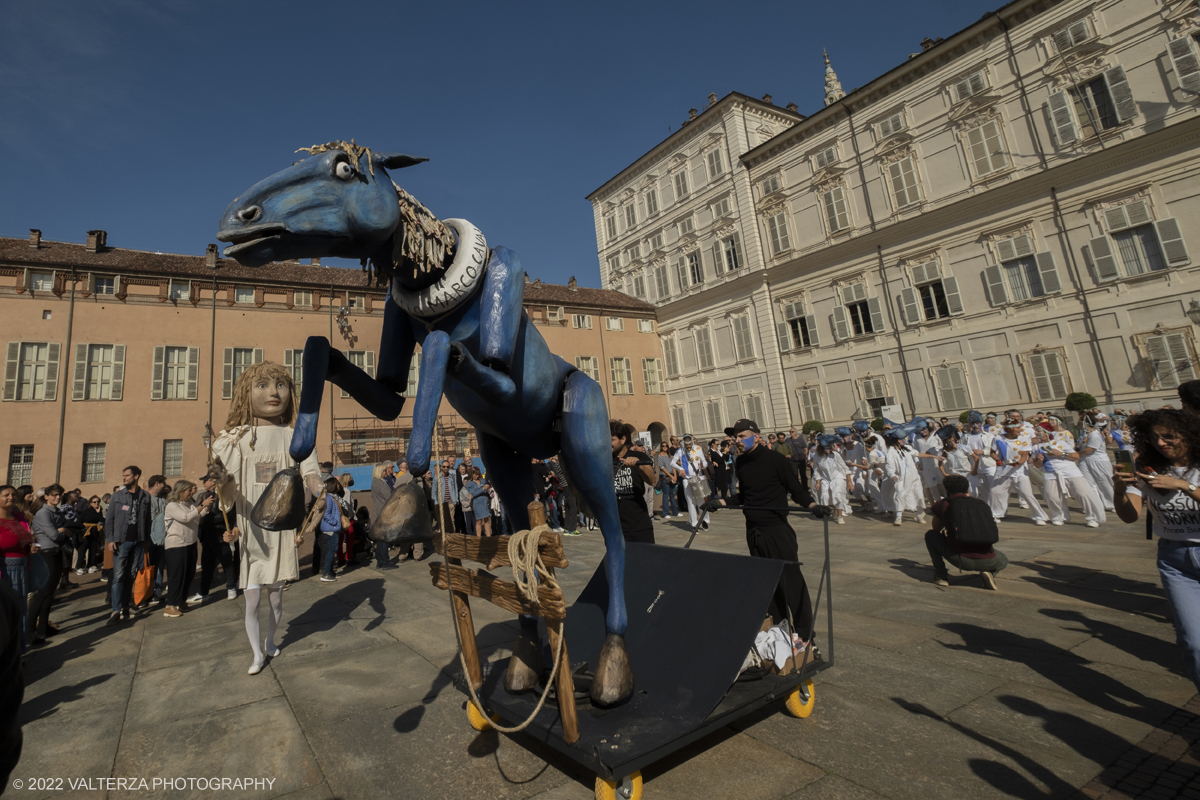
(143, 584)
(39, 572)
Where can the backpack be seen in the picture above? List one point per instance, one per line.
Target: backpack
(970, 521)
(158, 523)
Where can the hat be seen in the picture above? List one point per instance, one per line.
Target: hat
(861, 425)
(974, 417)
(827, 439)
(740, 426)
(208, 476)
(842, 430)
(946, 432)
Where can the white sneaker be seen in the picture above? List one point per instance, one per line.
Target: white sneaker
(79, 571)
(1039, 522)
(1023, 504)
(1056, 522)
(1093, 524)
(196, 598)
(231, 594)
(920, 519)
(841, 520)
(91, 570)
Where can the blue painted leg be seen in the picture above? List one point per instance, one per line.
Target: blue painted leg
(321, 363)
(511, 475)
(435, 351)
(494, 387)
(587, 458)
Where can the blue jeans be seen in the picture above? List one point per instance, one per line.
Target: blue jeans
(127, 562)
(331, 543)
(1179, 566)
(382, 555)
(669, 507)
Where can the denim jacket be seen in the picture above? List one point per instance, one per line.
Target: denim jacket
(121, 509)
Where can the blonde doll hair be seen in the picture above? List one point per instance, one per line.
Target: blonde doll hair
(241, 411)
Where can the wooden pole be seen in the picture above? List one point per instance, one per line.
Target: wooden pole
(462, 606)
(564, 682)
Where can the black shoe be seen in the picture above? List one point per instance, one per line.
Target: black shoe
(125, 613)
(387, 566)
(37, 642)
(113, 619)
(704, 525)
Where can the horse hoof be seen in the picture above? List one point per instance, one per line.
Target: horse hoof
(525, 666)
(614, 679)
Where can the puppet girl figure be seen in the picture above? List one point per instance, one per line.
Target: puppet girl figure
(248, 452)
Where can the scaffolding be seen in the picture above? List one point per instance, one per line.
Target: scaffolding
(366, 440)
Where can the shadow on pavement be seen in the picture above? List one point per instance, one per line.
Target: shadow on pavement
(1113, 591)
(47, 704)
(917, 570)
(1062, 667)
(328, 611)
(1139, 645)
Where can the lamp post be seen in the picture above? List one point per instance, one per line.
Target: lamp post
(1193, 312)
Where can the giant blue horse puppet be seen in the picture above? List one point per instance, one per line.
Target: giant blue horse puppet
(461, 301)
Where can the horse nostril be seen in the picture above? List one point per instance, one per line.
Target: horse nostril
(249, 213)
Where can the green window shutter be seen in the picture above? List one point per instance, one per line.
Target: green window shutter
(11, 364)
(1104, 259)
(814, 340)
(79, 374)
(1122, 95)
(912, 308)
(227, 375)
(117, 391)
(1049, 272)
(158, 373)
(876, 314)
(953, 299)
(1062, 118)
(1171, 238)
(193, 375)
(784, 331)
(994, 280)
(54, 352)
(841, 323)
(1185, 62)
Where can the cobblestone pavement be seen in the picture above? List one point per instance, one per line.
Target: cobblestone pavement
(1065, 682)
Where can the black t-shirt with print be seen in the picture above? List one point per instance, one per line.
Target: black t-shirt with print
(630, 488)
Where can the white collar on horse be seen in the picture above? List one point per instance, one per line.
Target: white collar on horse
(462, 278)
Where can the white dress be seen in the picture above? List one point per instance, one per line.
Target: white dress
(830, 474)
(1096, 467)
(268, 557)
(903, 481)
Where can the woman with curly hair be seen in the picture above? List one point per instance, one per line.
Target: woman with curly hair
(251, 449)
(1167, 444)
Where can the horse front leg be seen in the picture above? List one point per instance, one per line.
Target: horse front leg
(435, 353)
(321, 363)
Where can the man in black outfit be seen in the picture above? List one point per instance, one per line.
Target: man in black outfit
(765, 480)
(632, 472)
(963, 534)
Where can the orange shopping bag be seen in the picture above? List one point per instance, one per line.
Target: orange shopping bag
(143, 584)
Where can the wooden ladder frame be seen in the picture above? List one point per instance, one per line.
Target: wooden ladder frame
(493, 552)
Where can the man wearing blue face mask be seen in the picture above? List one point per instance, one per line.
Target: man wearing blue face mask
(766, 480)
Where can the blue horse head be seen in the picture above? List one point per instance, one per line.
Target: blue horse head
(339, 202)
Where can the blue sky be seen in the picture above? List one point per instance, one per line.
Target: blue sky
(146, 118)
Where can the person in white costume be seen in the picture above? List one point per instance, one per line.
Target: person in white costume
(1012, 454)
(690, 460)
(978, 442)
(248, 453)
(928, 444)
(900, 468)
(854, 453)
(877, 487)
(1093, 458)
(1063, 474)
(831, 477)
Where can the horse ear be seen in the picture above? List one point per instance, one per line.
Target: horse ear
(394, 160)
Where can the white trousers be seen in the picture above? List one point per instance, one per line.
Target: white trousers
(999, 496)
(695, 492)
(1099, 473)
(1052, 490)
(981, 485)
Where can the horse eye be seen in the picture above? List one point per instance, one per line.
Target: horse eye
(343, 170)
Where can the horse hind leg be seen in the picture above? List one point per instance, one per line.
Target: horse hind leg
(587, 458)
(511, 475)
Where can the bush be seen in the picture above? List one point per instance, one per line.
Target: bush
(813, 426)
(964, 417)
(1079, 401)
(877, 424)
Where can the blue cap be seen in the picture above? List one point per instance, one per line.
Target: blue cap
(827, 439)
(861, 425)
(974, 417)
(842, 430)
(946, 432)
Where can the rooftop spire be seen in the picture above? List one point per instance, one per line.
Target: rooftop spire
(833, 87)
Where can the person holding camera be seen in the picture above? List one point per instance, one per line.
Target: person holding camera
(1167, 443)
(963, 533)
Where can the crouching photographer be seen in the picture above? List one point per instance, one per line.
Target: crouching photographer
(963, 533)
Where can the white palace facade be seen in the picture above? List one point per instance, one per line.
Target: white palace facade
(1005, 218)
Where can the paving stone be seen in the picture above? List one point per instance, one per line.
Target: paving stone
(182, 646)
(834, 787)
(260, 740)
(187, 690)
(53, 749)
(886, 634)
(727, 765)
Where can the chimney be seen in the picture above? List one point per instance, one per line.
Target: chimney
(527, 277)
(96, 241)
(691, 114)
(35, 238)
(316, 262)
(712, 99)
(792, 107)
(574, 287)
(210, 257)
(767, 99)
(927, 43)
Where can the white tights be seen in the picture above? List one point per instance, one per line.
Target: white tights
(275, 600)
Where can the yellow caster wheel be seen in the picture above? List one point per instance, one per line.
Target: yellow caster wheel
(797, 705)
(478, 721)
(628, 788)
